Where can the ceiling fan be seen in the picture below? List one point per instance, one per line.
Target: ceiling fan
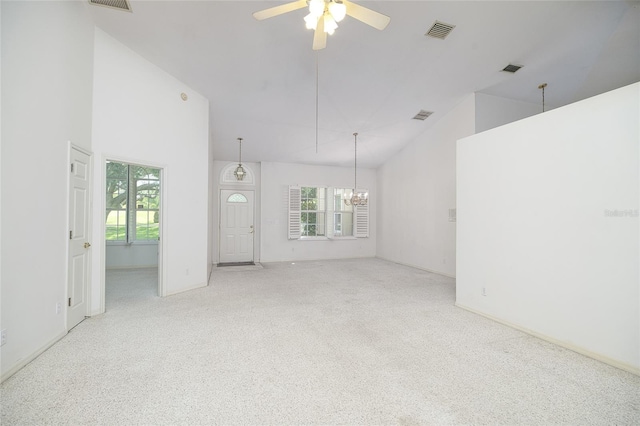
(325, 14)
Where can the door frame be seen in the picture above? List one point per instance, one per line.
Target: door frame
(220, 204)
(162, 263)
(70, 147)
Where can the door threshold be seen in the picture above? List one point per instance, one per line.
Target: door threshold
(236, 264)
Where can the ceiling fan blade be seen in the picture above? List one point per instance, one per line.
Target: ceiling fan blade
(368, 16)
(279, 10)
(319, 37)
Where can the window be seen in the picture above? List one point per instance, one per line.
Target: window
(342, 214)
(322, 212)
(132, 203)
(313, 211)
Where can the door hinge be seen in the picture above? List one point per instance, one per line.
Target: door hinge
(69, 301)
(71, 167)
(71, 235)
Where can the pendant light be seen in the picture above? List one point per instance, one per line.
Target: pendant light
(356, 198)
(240, 173)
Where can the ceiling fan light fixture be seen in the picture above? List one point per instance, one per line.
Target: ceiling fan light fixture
(329, 24)
(311, 21)
(337, 10)
(316, 7)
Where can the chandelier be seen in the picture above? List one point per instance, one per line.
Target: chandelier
(356, 198)
(330, 11)
(239, 172)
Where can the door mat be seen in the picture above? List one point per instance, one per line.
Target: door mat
(236, 264)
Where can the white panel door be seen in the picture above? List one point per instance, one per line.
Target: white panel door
(236, 226)
(79, 246)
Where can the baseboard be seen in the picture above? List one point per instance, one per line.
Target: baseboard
(582, 351)
(417, 267)
(24, 361)
(193, 287)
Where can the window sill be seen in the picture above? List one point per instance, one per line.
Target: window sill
(346, 237)
(313, 239)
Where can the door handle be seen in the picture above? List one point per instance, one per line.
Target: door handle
(87, 245)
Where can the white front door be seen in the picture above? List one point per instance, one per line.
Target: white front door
(236, 226)
(79, 246)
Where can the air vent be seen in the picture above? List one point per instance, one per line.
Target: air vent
(440, 30)
(512, 68)
(113, 4)
(422, 115)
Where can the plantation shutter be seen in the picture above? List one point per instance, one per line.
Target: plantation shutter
(330, 210)
(361, 219)
(294, 212)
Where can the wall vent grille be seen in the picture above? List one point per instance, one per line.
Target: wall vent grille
(440, 30)
(113, 4)
(422, 115)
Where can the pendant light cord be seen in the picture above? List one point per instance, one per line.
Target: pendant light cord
(317, 84)
(355, 163)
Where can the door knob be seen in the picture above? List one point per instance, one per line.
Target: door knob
(87, 245)
(251, 227)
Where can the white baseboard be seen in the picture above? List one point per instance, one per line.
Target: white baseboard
(24, 361)
(599, 357)
(417, 267)
(193, 287)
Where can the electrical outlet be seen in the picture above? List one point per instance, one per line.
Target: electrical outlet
(3, 337)
(58, 308)
(484, 291)
(187, 271)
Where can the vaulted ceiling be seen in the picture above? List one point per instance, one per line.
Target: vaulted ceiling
(260, 76)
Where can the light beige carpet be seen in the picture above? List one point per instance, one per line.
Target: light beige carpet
(327, 342)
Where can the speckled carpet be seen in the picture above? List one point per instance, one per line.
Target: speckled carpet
(358, 342)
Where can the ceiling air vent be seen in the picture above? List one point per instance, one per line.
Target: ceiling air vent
(113, 4)
(440, 30)
(512, 68)
(422, 115)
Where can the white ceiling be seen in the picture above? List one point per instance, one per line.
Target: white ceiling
(260, 76)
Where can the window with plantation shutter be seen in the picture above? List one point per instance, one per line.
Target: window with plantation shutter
(294, 212)
(320, 212)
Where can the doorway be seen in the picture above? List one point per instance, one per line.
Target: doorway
(236, 226)
(133, 243)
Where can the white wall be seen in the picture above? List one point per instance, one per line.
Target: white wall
(139, 117)
(216, 186)
(494, 111)
(417, 188)
(275, 245)
(47, 62)
(534, 233)
(136, 255)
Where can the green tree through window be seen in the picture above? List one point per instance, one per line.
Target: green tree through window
(313, 211)
(132, 202)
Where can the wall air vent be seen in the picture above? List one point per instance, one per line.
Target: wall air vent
(422, 115)
(113, 4)
(440, 30)
(512, 68)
